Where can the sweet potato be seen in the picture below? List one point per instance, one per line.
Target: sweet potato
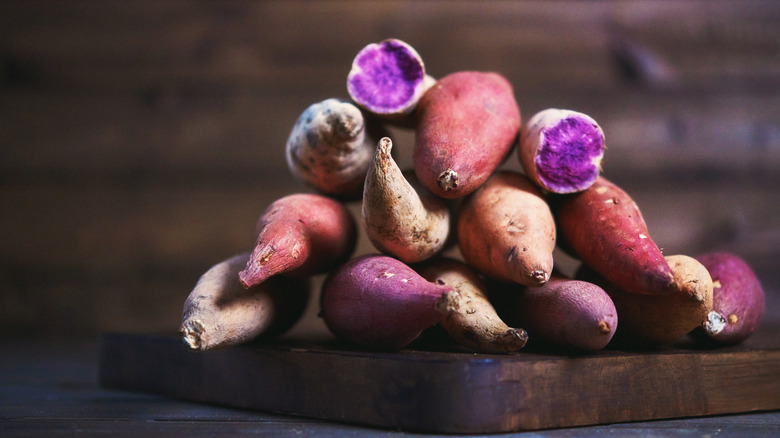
(561, 150)
(331, 146)
(300, 235)
(475, 323)
(604, 228)
(379, 302)
(466, 125)
(649, 320)
(388, 78)
(219, 312)
(738, 299)
(401, 217)
(506, 230)
(573, 315)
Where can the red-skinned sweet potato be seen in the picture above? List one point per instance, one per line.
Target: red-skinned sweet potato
(466, 125)
(379, 302)
(738, 299)
(604, 228)
(300, 235)
(506, 230)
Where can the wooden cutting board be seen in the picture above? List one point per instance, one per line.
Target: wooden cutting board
(449, 392)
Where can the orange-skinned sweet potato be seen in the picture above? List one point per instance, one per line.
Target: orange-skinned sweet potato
(506, 230)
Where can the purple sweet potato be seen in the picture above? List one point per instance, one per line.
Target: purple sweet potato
(219, 312)
(300, 235)
(738, 299)
(604, 228)
(379, 302)
(561, 150)
(466, 125)
(475, 323)
(574, 315)
(388, 78)
(506, 230)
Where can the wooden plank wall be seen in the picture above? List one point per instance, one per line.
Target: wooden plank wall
(140, 140)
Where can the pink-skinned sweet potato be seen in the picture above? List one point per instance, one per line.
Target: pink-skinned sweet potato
(466, 125)
(300, 235)
(738, 299)
(604, 228)
(219, 312)
(506, 230)
(379, 302)
(475, 324)
(573, 315)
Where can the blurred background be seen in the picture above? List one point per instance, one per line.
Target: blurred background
(141, 140)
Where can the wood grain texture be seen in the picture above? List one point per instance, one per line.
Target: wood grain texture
(49, 387)
(441, 392)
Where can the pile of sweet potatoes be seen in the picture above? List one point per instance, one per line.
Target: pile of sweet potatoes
(464, 247)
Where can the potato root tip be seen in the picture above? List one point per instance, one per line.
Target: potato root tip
(448, 180)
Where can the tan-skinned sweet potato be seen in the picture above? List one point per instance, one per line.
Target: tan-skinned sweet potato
(401, 217)
(650, 320)
(466, 125)
(220, 312)
(331, 146)
(300, 235)
(475, 323)
(604, 228)
(506, 230)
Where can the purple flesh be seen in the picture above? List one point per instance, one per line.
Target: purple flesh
(388, 77)
(565, 160)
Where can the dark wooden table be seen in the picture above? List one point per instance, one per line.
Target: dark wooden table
(49, 387)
